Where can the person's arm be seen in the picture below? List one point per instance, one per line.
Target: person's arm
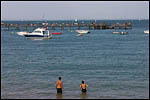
(62, 86)
(56, 85)
(80, 87)
(86, 86)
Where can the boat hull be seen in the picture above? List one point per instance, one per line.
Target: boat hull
(34, 36)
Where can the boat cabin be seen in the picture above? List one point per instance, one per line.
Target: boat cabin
(42, 31)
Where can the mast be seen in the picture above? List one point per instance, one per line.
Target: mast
(43, 17)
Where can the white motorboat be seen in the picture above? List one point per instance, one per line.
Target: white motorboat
(146, 31)
(116, 32)
(82, 31)
(39, 32)
(122, 33)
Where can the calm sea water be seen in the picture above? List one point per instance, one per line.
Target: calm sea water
(114, 66)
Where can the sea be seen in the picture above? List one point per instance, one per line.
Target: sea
(114, 66)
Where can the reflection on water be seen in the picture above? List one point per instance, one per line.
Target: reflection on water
(83, 95)
(38, 38)
(59, 96)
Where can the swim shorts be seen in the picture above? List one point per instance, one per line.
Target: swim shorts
(59, 90)
(83, 90)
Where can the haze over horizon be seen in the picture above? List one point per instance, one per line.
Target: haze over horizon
(70, 10)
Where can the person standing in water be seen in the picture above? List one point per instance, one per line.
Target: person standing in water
(83, 87)
(59, 85)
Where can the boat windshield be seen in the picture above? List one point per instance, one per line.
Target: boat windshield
(37, 31)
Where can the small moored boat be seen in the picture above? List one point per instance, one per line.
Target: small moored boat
(121, 33)
(82, 31)
(146, 31)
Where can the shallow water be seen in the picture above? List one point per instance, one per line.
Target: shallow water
(114, 66)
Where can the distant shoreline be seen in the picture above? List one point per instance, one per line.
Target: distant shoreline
(73, 20)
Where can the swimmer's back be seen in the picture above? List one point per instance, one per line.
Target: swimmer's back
(59, 84)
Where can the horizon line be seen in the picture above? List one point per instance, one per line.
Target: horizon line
(70, 19)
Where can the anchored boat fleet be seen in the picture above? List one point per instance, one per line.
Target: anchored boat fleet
(44, 33)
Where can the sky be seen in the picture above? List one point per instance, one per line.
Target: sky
(68, 10)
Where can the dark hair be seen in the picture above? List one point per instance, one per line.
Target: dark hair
(59, 78)
(82, 81)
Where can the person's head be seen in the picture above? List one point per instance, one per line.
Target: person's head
(82, 82)
(59, 78)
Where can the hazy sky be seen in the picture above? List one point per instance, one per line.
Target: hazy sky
(63, 10)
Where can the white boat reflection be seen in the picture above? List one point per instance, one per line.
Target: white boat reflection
(38, 38)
